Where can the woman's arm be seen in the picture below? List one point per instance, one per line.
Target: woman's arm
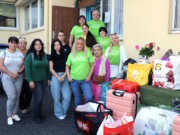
(90, 72)
(52, 70)
(71, 40)
(107, 70)
(3, 68)
(68, 74)
(22, 67)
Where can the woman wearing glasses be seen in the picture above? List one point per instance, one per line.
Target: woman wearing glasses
(117, 56)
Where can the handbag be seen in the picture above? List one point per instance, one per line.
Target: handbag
(89, 117)
(98, 79)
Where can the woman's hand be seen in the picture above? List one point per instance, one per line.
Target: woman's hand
(31, 85)
(49, 82)
(70, 79)
(14, 75)
(61, 79)
(87, 79)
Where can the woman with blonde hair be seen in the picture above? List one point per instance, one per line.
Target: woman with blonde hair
(79, 68)
(117, 56)
(26, 95)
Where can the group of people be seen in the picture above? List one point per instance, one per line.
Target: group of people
(90, 59)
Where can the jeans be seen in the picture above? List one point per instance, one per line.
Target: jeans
(77, 86)
(58, 90)
(26, 95)
(38, 92)
(12, 89)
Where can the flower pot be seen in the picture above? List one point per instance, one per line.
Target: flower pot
(143, 60)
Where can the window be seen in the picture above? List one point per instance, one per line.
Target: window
(113, 9)
(176, 16)
(8, 17)
(34, 15)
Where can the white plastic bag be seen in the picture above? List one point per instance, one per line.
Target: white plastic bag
(166, 74)
(154, 121)
(108, 119)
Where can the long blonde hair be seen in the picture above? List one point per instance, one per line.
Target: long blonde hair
(74, 50)
(110, 48)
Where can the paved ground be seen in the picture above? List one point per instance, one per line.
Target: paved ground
(26, 126)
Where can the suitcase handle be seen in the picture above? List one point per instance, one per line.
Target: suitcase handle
(118, 93)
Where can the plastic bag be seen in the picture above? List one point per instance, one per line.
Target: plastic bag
(122, 126)
(166, 74)
(154, 121)
(88, 117)
(125, 85)
(139, 73)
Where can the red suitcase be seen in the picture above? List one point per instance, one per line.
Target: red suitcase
(176, 126)
(122, 102)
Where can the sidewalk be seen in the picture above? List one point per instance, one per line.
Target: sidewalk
(51, 126)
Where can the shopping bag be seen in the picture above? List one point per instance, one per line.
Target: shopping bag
(107, 119)
(166, 74)
(104, 87)
(128, 86)
(154, 121)
(139, 73)
(88, 117)
(122, 126)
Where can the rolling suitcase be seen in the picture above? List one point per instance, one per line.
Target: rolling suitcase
(176, 126)
(122, 103)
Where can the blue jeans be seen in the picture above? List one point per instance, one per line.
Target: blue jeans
(57, 89)
(77, 86)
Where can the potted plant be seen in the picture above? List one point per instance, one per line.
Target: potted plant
(146, 52)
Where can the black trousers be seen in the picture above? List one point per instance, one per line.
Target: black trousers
(25, 96)
(38, 92)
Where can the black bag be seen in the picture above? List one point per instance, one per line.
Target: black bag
(89, 122)
(125, 66)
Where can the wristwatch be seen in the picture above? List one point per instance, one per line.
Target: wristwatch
(19, 73)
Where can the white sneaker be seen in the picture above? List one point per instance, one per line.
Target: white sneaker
(16, 118)
(10, 121)
(61, 118)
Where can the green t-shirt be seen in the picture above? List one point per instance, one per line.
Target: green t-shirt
(94, 27)
(77, 31)
(104, 41)
(80, 65)
(114, 55)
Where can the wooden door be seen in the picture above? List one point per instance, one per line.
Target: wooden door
(63, 19)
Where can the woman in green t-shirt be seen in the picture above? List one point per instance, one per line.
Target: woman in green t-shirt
(103, 39)
(38, 75)
(117, 56)
(89, 38)
(79, 68)
(77, 30)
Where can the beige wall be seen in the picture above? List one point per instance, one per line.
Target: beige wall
(5, 34)
(147, 21)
